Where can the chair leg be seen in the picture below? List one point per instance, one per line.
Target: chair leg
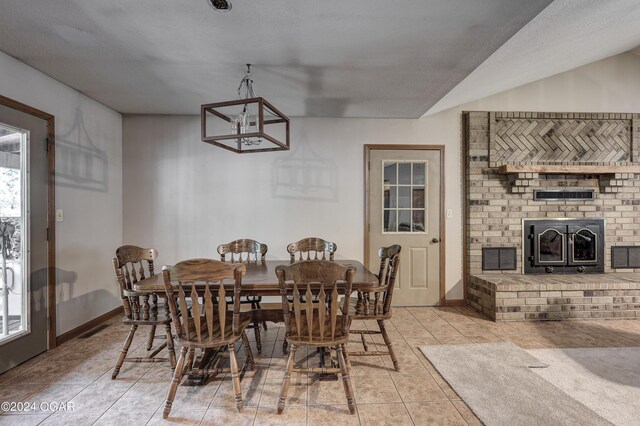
(177, 378)
(150, 337)
(346, 380)
(256, 331)
(170, 348)
(235, 377)
(387, 342)
(190, 357)
(287, 378)
(247, 350)
(123, 352)
(264, 323)
(345, 354)
(364, 342)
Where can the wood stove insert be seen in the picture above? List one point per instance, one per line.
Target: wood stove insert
(563, 246)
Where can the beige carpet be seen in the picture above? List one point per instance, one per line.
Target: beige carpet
(498, 382)
(605, 379)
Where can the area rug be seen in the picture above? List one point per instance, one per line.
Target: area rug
(498, 382)
(605, 379)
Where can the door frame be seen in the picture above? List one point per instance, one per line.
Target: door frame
(389, 147)
(51, 203)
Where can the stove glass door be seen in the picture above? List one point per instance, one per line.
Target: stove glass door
(550, 245)
(583, 245)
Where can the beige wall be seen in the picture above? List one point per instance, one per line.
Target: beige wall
(185, 197)
(91, 198)
(200, 196)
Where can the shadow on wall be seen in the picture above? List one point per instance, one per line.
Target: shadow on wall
(65, 281)
(66, 302)
(304, 175)
(80, 163)
(79, 306)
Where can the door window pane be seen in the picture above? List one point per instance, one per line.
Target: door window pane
(418, 198)
(390, 173)
(404, 220)
(390, 221)
(390, 197)
(418, 221)
(405, 196)
(418, 173)
(404, 173)
(13, 282)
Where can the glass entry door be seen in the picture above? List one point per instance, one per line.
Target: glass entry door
(24, 194)
(14, 307)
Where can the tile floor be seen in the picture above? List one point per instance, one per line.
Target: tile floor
(80, 372)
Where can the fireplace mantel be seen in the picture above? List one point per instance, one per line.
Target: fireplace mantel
(523, 177)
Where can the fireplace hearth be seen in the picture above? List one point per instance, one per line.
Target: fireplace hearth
(563, 246)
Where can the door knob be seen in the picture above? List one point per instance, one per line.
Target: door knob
(435, 240)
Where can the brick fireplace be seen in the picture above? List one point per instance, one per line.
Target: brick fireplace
(592, 161)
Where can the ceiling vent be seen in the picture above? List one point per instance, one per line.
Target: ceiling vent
(564, 195)
(220, 5)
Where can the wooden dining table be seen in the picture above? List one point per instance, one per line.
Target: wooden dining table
(259, 280)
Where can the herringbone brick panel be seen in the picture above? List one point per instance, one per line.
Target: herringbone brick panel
(517, 140)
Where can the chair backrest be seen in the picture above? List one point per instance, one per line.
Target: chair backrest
(389, 265)
(132, 264)
(198, 279)
(309, 249)
(311, 303)
(243, 250)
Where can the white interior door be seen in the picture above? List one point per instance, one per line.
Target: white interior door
(404, 208)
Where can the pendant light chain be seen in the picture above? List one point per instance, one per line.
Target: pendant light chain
(247, 83)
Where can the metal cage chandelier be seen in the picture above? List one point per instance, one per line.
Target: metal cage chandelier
(247, 124)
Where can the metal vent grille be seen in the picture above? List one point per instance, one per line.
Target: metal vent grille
(498, 258)
(561, 195)
(625, 257)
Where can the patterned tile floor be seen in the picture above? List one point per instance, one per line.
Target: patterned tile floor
(80, 372)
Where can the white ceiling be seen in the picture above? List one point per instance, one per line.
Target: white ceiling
(564, 36)
(337, 58)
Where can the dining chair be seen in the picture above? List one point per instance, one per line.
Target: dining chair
(317, 320)
(247, 251)
(208, 325)
(133, 264)
(311, 248)
(378, 309)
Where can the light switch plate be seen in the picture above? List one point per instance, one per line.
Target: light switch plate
(59, 215)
